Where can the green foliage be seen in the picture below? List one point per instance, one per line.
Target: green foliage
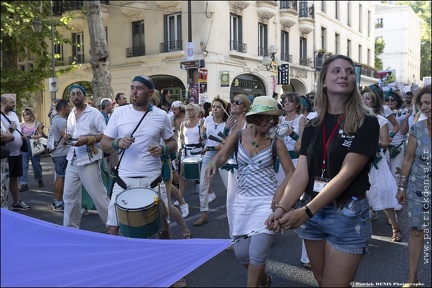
(423, 10)
(379, 49)
(20, 43)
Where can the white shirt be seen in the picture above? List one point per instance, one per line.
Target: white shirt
(137, 161)
(91, 122)
(15, 145)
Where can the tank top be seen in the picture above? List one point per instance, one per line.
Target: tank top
(29, 131)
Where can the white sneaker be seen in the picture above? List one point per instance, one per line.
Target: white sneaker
(184, 210)
(176, 203)
(84, 212)
(211, 197)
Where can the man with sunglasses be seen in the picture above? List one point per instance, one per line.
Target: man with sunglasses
(311, 98)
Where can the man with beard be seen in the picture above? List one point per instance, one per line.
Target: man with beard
(85, 126)
(137, 130)
(10, 121)
(408, 106)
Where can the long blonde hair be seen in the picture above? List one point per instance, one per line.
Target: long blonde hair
(355, 110)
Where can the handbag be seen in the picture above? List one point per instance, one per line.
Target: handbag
(36, 147)
(5, 152)
(24, 147)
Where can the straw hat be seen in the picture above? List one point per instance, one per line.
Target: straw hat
(264, 105)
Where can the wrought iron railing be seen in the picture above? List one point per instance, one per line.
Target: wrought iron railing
(287, 57)
(171, 46)
(135, 51)
(290, 5)
(238, 46)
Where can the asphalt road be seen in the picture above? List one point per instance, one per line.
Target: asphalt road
(385, 265)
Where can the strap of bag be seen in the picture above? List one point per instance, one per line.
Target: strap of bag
(120, 182)
(11, 123)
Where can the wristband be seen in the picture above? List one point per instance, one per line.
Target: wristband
(164, 150)
(203, 136)
(391, 135)
(210, 148)
(294, 135)
(115, 143)
(308, 212)
(226, 131)
(277, 206)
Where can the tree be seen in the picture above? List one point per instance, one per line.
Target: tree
(379, 49)
(423, 10)
(101, 82)
(19, 43)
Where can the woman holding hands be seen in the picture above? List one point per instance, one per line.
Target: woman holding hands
(336, 150)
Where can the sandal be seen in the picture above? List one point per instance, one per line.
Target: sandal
(180, 283)
(266, 283)
(200, 221)
(397, 237)
(307, 265)
(187, 236)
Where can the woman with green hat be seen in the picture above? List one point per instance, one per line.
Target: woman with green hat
(258, 192)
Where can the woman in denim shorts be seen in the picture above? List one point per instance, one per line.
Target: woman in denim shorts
(417, 194)
(337, 148)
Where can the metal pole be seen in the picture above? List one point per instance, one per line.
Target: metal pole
(53, 94)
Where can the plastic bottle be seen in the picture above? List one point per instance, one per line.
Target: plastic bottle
(351, 208)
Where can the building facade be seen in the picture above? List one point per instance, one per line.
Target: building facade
(230, 39)
(399, 26)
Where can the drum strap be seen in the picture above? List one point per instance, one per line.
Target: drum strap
(114, 171)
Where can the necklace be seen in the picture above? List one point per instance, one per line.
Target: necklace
(254, 143)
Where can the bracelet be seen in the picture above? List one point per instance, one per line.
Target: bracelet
(211, 148)
(401, 189)
(294, 135)
(115, 144)
(226, 131)
(211, 163)
(203, 136)
(391, 135)
(277, 206)
(308, 212)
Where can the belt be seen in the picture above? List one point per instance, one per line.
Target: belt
(343, 200)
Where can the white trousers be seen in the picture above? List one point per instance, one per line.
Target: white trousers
(90, 176)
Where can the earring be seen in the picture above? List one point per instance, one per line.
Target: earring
(324, 85)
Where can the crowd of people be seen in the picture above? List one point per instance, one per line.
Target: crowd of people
(351, 152)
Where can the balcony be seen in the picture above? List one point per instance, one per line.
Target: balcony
(135, 51)
(304, 61)
(134, 10)
(169, 5)
(239, 6)
(262, 51)
(77, 59)
(266, 9)
(306, 18)
(288, 17)
(238, 46)
(320, 58)
(170, 46)
(287, 57)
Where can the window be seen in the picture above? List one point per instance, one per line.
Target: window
(379, 23)
(360, 18)
(262, 40)
(292, 5)
(348, 13)
(303, 51)
(323, 6)
(348, 48)
(285, 47)
(360, 52)
(368, 23)
(173, 33)
(236, 41)
(304, 9)
(337, 10)
(58, 54)
(337, 43)
(323, 38)
(138, 38)
(368, 57)
(77, 48)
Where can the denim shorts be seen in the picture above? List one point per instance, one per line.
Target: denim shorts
(60, 163)
(349, 234)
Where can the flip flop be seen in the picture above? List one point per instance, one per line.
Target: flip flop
(266, 283)
(307, 265)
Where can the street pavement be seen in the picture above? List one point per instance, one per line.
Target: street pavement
(385, 265)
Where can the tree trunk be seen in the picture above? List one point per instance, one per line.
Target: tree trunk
(101, 82)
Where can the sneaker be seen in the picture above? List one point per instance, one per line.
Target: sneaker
(41, 184)
(23, 188)
(211, 197)
(84, 212)
(176, 203)
(197, 191)
(59, 208)
(373, 214)
(20, 206)
(184, 210)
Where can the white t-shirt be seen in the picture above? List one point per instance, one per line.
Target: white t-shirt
(137, 161)
(213, 129)
(15, 145)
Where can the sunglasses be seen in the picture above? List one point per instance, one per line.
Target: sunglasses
(237, 102)
(390, 100)
(311, 98)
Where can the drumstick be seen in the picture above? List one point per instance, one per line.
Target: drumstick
(211, 137)
(225, 111)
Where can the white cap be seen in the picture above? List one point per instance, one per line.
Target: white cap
(177, 104)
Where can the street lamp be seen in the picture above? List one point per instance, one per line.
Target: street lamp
(267, 61)
(37, 28)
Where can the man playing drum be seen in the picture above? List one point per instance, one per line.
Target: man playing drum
(141, 166)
